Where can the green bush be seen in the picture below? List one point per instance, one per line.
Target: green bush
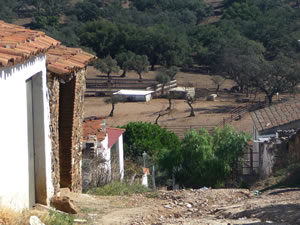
(205, 159)
(148, 137)
(60, 219)
(119, 188)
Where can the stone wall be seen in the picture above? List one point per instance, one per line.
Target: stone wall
(294, 148)
(55, 83)
(53, 86)
(77, 131)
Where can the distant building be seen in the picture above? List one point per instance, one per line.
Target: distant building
(182, 92)
(271, 124)
(133, 95)
(103, 154)
(40, 134)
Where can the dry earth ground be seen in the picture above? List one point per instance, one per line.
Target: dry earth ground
(191, 207)
(207, 113)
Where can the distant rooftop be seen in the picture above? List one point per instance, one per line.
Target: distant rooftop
(133, 92)
(276, 115)
(92, 126)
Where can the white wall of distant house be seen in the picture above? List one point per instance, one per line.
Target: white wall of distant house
(106, 156)
(106, 153)
(121, 156)
(14, 159)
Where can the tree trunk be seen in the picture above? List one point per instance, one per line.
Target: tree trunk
(162, 89)
(124, 73)
(157, 118)
(242, 88)
(270, 99)
(170, 104)
(217, 89)
(111, 114)
(152, 66)
(108, 75)
(192, 110)
(140, 77)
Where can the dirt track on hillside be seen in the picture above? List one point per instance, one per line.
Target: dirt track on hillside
(211, 206)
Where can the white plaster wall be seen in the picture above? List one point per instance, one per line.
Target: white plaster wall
(121, 156)
(106, 156)
(148, 97)
(14, 169)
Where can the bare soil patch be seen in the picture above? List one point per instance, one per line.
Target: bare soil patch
(202, 206)
(207, 113)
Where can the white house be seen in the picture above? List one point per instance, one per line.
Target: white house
(25, 152)
(42, 87)
(133, 95)
(106, 145)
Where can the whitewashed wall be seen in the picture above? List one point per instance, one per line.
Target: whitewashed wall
(121, 156)
(106, 155)
(14, 166)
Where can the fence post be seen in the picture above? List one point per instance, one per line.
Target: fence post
(224, 122)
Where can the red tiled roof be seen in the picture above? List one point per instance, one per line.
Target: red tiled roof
(92, 126)
(113, 135)
(276, 115)
(63, 60)
(18, 44)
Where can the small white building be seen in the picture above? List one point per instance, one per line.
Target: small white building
(182, 92)
(133, 95)
(25, 153)
(105, 146)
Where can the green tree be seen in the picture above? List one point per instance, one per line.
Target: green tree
(86, 11)
(278, 75)
(140, 64)
(148, 137)
(125, 61)
(102, 36)
(113, 100)
(233, 63)
(165, 75)
(107, 65)
(163, 79)
(205, 159)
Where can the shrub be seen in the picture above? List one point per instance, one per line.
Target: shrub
(204, 159)
(11, 217)
(148, 137)
(119, 188)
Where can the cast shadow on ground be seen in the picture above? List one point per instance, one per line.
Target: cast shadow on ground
(278, 214)
(215, 109)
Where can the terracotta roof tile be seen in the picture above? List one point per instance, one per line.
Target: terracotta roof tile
(62, 60)
(92, 126)
(276, 115)
(18, 44)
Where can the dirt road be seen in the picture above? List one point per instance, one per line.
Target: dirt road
(189, 207)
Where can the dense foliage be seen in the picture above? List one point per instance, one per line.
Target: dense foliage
(174, 32)
(197, 160)
(205, 159)
(245, 44)
(148, 137)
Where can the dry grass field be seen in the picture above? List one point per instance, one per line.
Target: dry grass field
(207, 113)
